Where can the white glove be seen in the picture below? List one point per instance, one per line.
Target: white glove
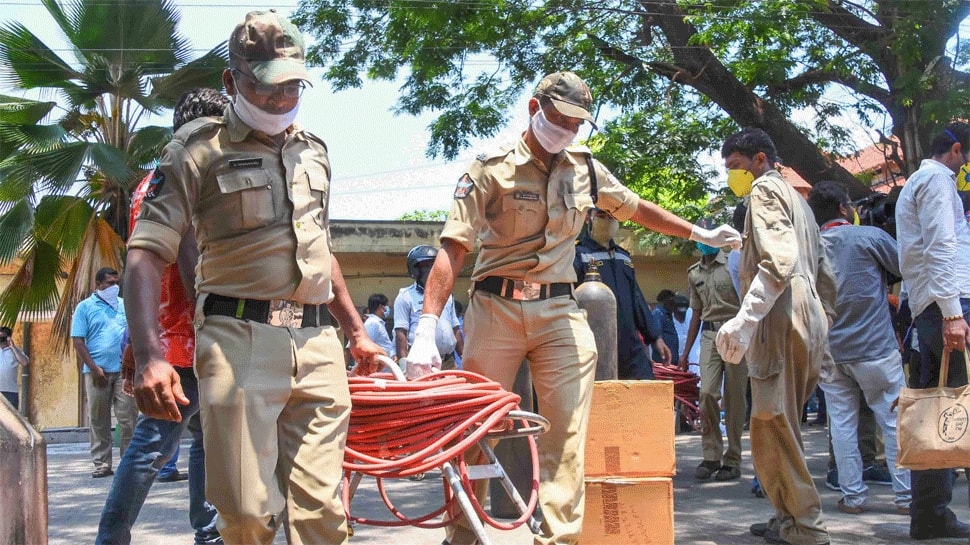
(423, 357)
(734, 336)
(725, 235)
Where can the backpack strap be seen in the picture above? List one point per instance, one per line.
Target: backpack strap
(593, 189)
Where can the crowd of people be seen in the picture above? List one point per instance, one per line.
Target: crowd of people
(233, 298)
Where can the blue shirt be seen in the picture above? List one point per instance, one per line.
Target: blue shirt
(864, 260)
(407, 311)
(102, 329)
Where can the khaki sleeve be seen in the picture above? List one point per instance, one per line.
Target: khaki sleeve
(166, 212)
(825, 283)
(467, 217)
(613, 196)
(695, 297)
(773, 232)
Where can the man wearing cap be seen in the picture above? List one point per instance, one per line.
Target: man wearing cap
(714, 300)
(526, 203)
(634, 323)
(272, 384)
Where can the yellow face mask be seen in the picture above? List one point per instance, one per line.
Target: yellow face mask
(740, 181)
(855, 217)
(963, 178)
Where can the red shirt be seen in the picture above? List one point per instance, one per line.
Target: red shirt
(176, 311)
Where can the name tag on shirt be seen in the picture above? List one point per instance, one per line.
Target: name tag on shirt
(525, 196)
(252, 162)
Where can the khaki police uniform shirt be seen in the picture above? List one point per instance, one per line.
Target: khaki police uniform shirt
(711, 290)
(260, 212)
(527, 217)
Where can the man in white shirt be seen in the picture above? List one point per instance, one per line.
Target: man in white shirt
(934, 258)
(11, 359)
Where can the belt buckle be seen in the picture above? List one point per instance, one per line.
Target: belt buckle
(526, 291)
(283, 313)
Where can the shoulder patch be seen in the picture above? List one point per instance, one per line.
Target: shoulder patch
(464, 187)
(197, 126)
(155, 184)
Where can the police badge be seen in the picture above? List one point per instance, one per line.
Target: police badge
(464, 187)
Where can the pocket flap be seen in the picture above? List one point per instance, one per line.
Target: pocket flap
(580, 201)
(317, 178)
(231, 182)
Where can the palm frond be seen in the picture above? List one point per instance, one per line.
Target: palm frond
(16, 225)
(61, 221)
(55, 168)
(112, 163)
(102, 247)
(34, 287)
(23, 111)
(206, 71)
(31, 64)
(146, 145)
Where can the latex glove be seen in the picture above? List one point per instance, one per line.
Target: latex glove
(423, 357)
(734, 337)
(721, 236)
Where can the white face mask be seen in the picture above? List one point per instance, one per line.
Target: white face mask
(261, 120)
(552, 137)
(110, 295)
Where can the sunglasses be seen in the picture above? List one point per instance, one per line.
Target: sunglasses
(290, 90)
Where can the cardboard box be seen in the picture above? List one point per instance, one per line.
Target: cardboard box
(629, 512)
(630, 429)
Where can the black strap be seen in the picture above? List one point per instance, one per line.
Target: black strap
(505, 287)
(593, 188)
(258, 310)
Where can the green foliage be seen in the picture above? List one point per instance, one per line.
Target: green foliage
(127, 59)
(425, 215)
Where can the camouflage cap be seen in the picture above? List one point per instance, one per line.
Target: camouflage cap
(272, 47)
(569, 94)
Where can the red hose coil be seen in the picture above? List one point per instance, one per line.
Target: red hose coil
(399, 429)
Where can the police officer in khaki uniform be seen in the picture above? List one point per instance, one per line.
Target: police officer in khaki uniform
(526, 203)
(715, 301)
(273, 387)
(783, 327)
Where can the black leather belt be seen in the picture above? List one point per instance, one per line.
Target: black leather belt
(259, 310)
(520, 290)
(711, 326)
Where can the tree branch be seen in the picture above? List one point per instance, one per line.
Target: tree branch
(813, 77)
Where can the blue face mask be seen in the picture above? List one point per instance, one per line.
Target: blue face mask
(707, 250)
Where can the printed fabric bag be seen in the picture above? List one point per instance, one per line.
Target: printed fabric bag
(932, 427)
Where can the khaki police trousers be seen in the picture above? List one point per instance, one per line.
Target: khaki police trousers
(556, 339)
(275, 407)
(734, 378)
(776, 443)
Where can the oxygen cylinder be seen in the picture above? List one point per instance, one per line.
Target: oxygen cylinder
(597, 299)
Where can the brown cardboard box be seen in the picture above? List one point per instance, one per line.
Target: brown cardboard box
(630, 429)
(629, 512)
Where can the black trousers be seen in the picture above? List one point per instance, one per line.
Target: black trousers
(933, 489)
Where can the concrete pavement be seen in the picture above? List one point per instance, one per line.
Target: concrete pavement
(705, 513)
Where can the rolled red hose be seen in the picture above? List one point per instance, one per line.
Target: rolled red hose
(399, 429)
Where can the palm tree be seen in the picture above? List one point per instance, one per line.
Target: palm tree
(67, 166)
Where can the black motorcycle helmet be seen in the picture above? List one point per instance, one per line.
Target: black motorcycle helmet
(420, 254)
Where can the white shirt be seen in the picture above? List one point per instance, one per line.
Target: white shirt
(8, 370)
(374, 325)
(934, 240)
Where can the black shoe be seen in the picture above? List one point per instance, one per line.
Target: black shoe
(772, 536)
(726, 473)
(706, 469)
(173, 477)
(832, 480)
(952, 528)
(876, 474)
(759, 529)
(102, 472)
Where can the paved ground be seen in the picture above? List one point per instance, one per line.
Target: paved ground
(705, 513)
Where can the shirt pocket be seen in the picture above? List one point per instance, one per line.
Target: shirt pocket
(249, 197)
(319, 193)
(577, 205)
(521, 218)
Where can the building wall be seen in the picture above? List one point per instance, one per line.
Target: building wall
(372, 257)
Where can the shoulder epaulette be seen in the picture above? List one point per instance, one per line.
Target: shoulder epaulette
(198, 126)
(495, 154)
(694, 266)
(316, 138)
